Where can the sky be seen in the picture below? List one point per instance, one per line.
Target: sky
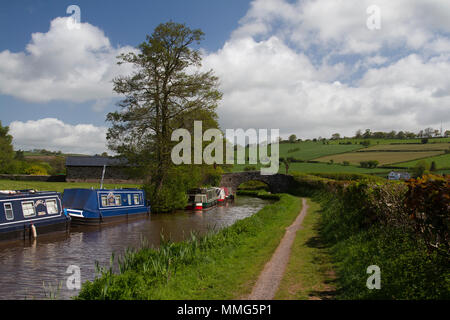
(307, 67)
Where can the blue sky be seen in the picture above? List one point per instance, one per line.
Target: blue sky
(124, 23)
(309, 67)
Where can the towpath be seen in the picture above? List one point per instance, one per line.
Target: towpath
(269, 280)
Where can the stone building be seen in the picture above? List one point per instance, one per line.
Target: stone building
(90, 168)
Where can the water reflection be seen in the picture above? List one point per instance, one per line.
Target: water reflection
(33, 269)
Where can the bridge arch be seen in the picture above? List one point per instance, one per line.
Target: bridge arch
(278, 183)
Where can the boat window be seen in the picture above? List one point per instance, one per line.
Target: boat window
(28, 209)
(52, 207)
(104, 201)
(136, 199)
(118, 200)
(9, 211)
(129, 199)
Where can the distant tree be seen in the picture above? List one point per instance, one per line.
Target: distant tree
(104, 154)
(433, 166)
(6, 150)
(358, 134)
(292, 138)
(286, 162)
(428, 132)
(401, 135)
(366, 134)
(410, 135)
(379, 135)
(437, 133)
(20, 156)
(335, 136)
(447, 133)
(391, 135)
(421, 168)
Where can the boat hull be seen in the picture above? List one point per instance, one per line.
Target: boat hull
(24, 231)
(89, 218)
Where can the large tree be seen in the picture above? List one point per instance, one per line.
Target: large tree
(165, 87)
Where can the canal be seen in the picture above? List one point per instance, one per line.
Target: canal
(36, 269)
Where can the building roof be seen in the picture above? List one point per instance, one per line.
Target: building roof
(94, 161)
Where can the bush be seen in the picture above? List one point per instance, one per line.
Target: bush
(402, 228)
(36, 170)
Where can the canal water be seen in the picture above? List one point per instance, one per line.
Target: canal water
(41, 268)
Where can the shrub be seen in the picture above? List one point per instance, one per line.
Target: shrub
(36, 170)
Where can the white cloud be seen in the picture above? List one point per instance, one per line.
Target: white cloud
(314, 68)
(53, 134)
(62, 64)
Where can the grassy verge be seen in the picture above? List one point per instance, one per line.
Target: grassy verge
(309, 274)
(55, 186)
(221, 265)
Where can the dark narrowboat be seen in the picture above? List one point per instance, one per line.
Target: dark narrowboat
(25, 214)
(95, 206)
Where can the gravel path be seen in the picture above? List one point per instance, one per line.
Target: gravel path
(267, 284)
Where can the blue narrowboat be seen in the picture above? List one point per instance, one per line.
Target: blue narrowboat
(24, 214)
(95, 206)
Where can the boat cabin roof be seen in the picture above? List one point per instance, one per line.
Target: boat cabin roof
(8, 194)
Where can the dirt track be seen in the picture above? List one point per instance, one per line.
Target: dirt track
(269, 280)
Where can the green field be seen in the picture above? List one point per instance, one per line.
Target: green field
(442, 162)
(382, 157)
(391, 141)
(408, 147)
(56, 186)
(312, 150)
(402, 153)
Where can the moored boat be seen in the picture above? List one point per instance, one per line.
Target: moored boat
(95, 206)
(25, 214)
(202, 198)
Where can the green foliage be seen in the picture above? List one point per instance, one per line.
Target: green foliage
(402, 228)
(6, 150)
(421, 168)
(36, 170)
(427, 204)
(369, 164)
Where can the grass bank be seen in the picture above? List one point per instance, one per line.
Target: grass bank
(56, 186)
(219, 265)
(309, 274)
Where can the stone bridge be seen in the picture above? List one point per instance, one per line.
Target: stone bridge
(278, 183)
